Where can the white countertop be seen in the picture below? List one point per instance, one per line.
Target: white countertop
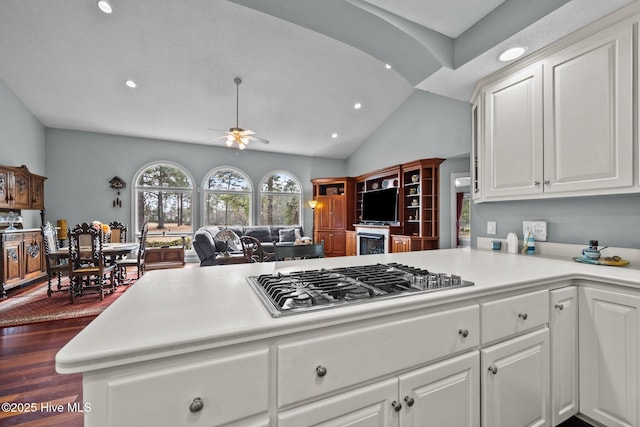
(169, 312)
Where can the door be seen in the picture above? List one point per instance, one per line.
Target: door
(515, 382)
(588, 107)
(443, 394)
(563, 325)
(609, 356)
(369, 406)
(512, 146)
(21, 189)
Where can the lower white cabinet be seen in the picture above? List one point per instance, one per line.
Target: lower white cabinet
(515, 381)
(563, 326)
(442, 394)
(610, 356)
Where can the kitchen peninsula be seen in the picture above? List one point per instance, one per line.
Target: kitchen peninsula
(198, 347)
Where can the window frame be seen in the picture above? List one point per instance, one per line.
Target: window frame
(300, 194)
(204, 192)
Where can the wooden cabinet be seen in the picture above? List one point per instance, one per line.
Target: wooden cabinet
(352, 243)
(400, 243)
(513, 132)
(22, 258)
(20, 189)
(171, 257)
(420, 198)
(515, 381)
(334, 213)
(609, 341)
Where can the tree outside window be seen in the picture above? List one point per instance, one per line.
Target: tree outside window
(227, 198)
(280, 199)
(164, 199)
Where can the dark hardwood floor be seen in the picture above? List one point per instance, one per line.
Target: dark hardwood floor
(28, 379)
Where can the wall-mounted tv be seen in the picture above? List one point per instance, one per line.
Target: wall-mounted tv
(380, 206)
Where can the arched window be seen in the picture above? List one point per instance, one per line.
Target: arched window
(164, 199)
(227, 195)
(280, 199)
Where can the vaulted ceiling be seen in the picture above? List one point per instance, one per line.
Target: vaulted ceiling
(304, 63)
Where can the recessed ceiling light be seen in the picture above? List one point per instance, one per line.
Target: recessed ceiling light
(387, 66)
(334, 135)
(357, 106)
(512, 53)
(104, 6)
(131, 84)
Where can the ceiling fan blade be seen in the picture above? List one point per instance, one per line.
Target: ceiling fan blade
(255, 138)
(217, 137)
(247, 132)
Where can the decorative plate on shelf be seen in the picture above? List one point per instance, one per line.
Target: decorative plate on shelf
(389, 183)
(375, 186)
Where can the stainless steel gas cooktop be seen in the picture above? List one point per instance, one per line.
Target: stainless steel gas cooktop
(303, 291)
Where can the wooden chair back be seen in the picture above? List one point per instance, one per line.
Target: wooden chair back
(85, 246)
(252, 249)
(118, 232)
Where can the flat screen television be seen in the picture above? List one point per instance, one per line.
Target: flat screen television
(380, 206)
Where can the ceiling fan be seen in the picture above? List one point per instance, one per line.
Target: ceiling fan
(237, 134)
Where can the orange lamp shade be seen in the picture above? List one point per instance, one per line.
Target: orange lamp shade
(62, 232)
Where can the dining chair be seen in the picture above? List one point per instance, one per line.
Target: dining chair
(138, 261)
(88, 270)
(118, 232)
(56, 267)
(254, 251)
(315, 250)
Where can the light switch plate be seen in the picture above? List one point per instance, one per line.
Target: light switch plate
(492, 227)
(538, 228)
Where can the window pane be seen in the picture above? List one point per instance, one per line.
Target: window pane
(228, 180)
(227, 209)
(280, 209)
(168, 211)
(280, 182)
(164, 176)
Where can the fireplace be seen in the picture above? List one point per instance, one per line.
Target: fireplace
(370, 244)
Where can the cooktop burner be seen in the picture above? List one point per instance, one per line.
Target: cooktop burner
(302, 291)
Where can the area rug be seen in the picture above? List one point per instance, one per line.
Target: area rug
(33, 306)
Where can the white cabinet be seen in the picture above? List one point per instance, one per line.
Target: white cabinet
(476, 131)
(610, 356)
(588, 124)
(185, 391)
(563, 325)
(515, 382)
(512, 143)
(442, 394)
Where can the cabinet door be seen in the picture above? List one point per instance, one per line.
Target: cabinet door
(366, 406)
(323, 212)
(21, 189)
(515, 382)
(33, 255)
(400, 244)
(476, 132)
(5, 185)
(13, 261)
(588, 113)
(338, 213)
(563, 325)
(37, 192)
(443, 394)
(351, 246)
(512, 146)
(609, 356)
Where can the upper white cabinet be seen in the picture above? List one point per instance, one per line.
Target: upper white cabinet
(513, 135)
(561, 125)
(588, 114)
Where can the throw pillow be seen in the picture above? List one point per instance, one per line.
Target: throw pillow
(287, 235)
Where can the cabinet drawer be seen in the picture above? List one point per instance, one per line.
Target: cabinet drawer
(352, 356)
(508, 316)
(230, 388)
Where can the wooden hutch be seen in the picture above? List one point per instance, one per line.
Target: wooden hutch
(339, 208)
(22, 250)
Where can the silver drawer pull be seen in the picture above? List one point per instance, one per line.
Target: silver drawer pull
(464, 333)
(560, 306)
(321, 371)
(493, 369)
(523, 316)
(196, 405)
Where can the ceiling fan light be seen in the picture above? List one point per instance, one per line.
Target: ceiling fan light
(244, 140)
(241, 146)
(229, 142)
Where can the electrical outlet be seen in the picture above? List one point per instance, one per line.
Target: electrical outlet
(538, 228)
(492, 227)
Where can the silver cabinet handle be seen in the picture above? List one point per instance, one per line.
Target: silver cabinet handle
(397, 406)
(560, 306)
(321, 371)
(523, 316)
(464, 333)
(493, 369)
(196, 405)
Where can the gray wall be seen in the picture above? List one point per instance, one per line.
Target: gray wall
(22, 142)
(424, 126)
(80, 164)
